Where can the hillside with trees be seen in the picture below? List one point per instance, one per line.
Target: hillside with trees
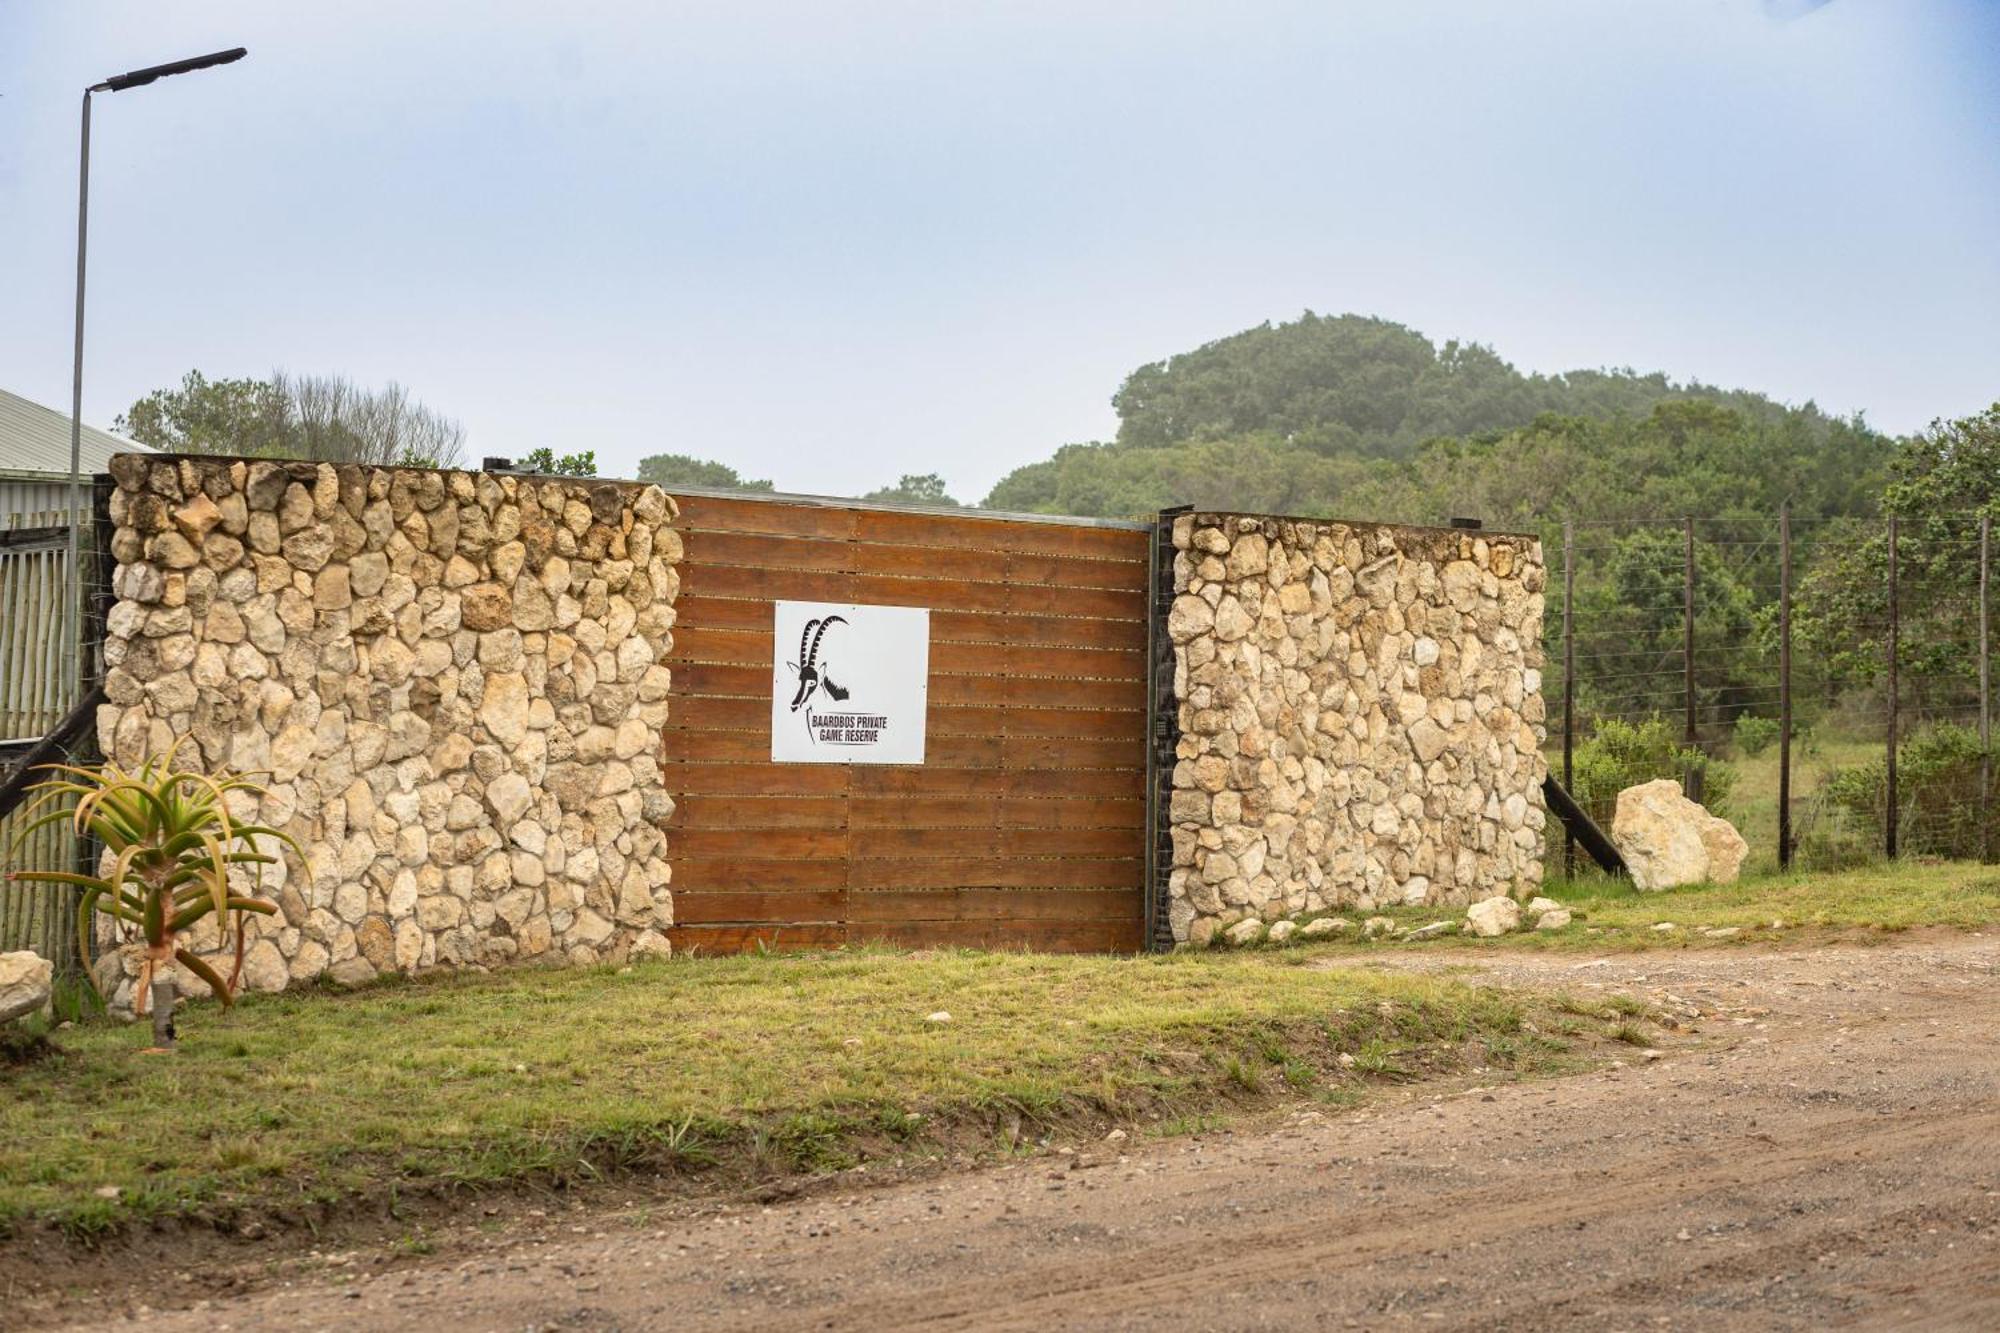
(1356, 416)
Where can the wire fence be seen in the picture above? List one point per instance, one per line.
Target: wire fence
(1822, 683)
(51, 632)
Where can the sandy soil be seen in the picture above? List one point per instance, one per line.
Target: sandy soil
(1823, 1152)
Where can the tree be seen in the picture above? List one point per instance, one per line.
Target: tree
(205, 416)
(327, 418)
(544, 462)
(927, 489)
(671, 470)
(1940, 482)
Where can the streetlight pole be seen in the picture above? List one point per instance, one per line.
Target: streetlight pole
(117, 83)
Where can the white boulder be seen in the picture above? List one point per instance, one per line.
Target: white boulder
(1668, 841)
(1493, 916)
(25, 980)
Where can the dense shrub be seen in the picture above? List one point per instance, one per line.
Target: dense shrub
(1754, 734)
(1623, 754)
(1938, 798)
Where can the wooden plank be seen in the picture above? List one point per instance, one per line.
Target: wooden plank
(693, 713)
(963, 843)
(760, 551)
(1011, 812)
(1017, 905)
(1104, 603)
(999, 534)
(997, 872)
(706, 513)
(756, 812)
(753, 613)
(1066, 752)
(1043, 691)
(720, 907)
(757, 875)
(953, 594)
(954, 843)
(869, 780)
(1057, 631)
(772, 938)
(1017, 660)
(766, 585)
(787, 844)
(1037, 936)
(696, 644)
(755, 779)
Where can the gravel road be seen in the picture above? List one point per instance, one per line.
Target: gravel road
(1824, 1152)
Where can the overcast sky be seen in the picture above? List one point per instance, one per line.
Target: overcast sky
(830, 243)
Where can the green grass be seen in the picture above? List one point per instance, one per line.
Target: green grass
(1611, 914)
(292, 1104)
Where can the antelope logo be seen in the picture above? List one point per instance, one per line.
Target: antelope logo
(809, 669)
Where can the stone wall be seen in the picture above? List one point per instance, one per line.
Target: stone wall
(451, 684)
(1361, 718)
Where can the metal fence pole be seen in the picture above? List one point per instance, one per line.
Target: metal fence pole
(1785, 685)
(1985, 697)
(1891, 813)
(1569, 688)
(1691, 780)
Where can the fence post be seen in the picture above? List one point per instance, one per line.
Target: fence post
(1985, 698)
(1890, 817)
(1163, 734)
(1691, 782)
(1569, 688)
(1785, 685)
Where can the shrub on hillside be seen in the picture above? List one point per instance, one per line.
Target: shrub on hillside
(1624, 754)
(1938, 797)
(1754, 734)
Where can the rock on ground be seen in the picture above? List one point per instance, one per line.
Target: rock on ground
(1668, 841)
(1493, 916)
(25, 982)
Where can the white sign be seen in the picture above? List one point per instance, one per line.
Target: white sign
(849, 684)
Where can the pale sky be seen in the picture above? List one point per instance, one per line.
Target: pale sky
(831, 243)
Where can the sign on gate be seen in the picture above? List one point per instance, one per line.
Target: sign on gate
(849, 684)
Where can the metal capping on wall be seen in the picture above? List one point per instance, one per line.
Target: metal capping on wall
(1163, 731)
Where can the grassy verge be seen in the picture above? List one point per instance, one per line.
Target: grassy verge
(1765, 908)
(299, 1105)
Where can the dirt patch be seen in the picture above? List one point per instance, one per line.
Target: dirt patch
(1816, 1151)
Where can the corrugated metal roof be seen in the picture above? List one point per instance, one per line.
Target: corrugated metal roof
(34, 438)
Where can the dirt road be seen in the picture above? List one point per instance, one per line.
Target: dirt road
(1825, 1153)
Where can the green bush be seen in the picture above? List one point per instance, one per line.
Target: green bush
(1624, 754)
(1938, 797)
(1754, 734)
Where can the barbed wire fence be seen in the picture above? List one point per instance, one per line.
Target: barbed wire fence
(1824, 683)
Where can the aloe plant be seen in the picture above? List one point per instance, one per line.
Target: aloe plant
(172, 843)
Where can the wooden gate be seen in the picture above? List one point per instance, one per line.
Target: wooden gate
(37, 599)
(1025, 825)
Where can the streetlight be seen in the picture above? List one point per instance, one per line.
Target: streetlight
(117, 83)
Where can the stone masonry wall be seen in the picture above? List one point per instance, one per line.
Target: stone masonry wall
(1361, 718)
(450, 683)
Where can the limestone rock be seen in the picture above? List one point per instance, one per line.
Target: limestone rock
(1244, 932)
(26, 979)
(1321, 927)
(1553, 919)
(1493, 916)
(1669, 841)
(1281, 931)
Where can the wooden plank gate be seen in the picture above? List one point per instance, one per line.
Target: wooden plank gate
(1025, 825)
(37, 687)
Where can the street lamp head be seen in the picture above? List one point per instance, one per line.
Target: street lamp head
(118, 83)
